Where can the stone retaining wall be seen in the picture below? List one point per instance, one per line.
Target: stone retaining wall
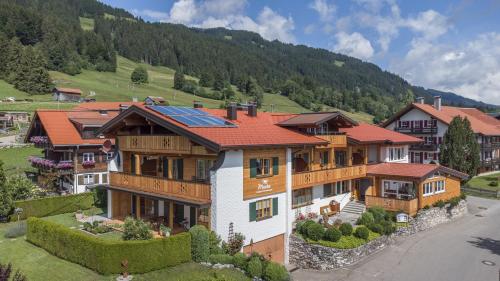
(311, 256)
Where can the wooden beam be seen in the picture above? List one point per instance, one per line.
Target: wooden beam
(171, 215)
(138, 206)
(137, 164)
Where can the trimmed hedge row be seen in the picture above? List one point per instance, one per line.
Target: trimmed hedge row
(56, 205)
(106, 256)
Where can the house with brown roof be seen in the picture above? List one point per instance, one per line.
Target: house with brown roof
(430, 123)
(258, 172)
(67, 94)
(74, 157)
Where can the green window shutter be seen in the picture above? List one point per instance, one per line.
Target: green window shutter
(276, 165)
(252, 211)
(275, 206)
(253, 168)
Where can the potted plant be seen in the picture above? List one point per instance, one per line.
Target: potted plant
(165, 230)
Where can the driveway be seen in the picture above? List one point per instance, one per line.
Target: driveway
(460, 250)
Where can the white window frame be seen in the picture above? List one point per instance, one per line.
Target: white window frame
(88, 179)
(396, 153)
(109, 155)
(88, 156)
(428, 189)
(396, 185)
(440, 186)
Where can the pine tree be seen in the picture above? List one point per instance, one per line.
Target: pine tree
(14, 56)
(179, 80)
(139, 75)
(218, 84)
(31, 75)
(206, 80)
(255, 91)
(460, 149)
(4, 46)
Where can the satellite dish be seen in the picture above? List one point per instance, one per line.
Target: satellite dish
(107, 146)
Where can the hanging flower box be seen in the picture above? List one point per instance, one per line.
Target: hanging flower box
(64, 165)
(42, 162)
(88, 164)
(39, 140)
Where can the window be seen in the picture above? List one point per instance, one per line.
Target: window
(109, 155)
(340, 158)
(324, 158)
(329, 190)
(177, 169)
(104, 178)
(263, 209)
(302, 197)
(398, 189)
(428, 188)
(396, 153)
(439, 187)
(341, 187)
(88, 179)
(203, 167)
(88, 157)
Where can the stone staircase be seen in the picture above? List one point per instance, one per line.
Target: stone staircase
(354, 207)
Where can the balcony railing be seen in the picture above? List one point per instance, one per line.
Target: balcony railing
(305, 179)
(490, 146)
(490, 162)
(409, 206)
(335, 140)
(163, 144)
(424, 147)
(428, 130)
(192, 191)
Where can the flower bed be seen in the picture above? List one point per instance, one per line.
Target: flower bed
(39, 140)
(346, 242)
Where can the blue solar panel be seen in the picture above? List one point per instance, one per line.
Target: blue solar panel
(191, 117)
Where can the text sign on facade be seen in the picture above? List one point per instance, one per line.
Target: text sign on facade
(263, 186)
(401, 217)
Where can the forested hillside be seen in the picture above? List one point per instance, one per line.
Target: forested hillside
(49, 33)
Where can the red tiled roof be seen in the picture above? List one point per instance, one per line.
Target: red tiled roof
(71, 91)
(481, 123)
(61, 131)
(250, 131)
(366, 133)
(112, 105)
(410, 170)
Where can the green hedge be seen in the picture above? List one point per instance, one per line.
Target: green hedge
(105, 256)
(56, 205)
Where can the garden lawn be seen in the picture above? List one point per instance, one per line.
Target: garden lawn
(346, 242)
(15, 160)
(38, 265)
(482, 182)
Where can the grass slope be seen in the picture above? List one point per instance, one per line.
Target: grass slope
(15, 160)
(483, 182)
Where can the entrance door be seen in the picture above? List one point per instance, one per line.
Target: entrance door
(178, 213)
(192, 216)
(364, 184)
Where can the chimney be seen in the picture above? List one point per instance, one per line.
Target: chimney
(252, 110)
(437, 102)
(420, 100)
(232, 111)
(197, 104)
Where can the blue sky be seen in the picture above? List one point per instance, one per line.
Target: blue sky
(446, 45)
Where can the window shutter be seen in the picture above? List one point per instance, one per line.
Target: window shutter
(275, 206)
(252, 211)
(276, 166)
(180, 168)
(253, 168)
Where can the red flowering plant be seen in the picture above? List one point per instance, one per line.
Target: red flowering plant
(89, 163)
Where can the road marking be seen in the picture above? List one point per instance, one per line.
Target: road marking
(489, 263)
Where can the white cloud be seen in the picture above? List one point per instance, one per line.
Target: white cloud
(471, 70)
(353, 45)
(309, 29)
(230, 14)
(154, 15)
(430, 24)
(324, 9)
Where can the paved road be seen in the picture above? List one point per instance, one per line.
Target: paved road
(450, 252)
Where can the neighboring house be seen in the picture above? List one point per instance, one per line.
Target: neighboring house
(67, 94)
(256, 173)
(11, 118)
(150, 100)
(73, 155)
(430, 123)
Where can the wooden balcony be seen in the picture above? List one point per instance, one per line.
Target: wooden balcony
(391, 204)
(335, 140)
(190, 191)
(306, 179)
(161, 144)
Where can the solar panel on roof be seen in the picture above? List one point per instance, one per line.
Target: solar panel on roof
(191, 117)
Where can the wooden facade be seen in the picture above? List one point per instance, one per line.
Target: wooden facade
(408, 206)
(334, 140)
(264, 185)
(308, 179)
(191, 191)
(161, 144)
(452, 189)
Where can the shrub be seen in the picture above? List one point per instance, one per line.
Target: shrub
(221, 259)
(105, 256)
(275, 272)
(346, 229)
(454, 202)
(234, 245)
(139, 75)
(305, 226)
(214, 243)
(366, 219)
(376, 227)
(56, 205)
(379, 214)
(254, 267)
(136, 230)
(298, 226)
(332, 234)
(493, 183)
(315, 231)
(6, 271)
(439, 203)
(96, 227)
(362, 232)
(427, 207)
(200, 248)
(388, 228)
(463, 196)
(240, 260)
(337, 223)
(16, 230)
